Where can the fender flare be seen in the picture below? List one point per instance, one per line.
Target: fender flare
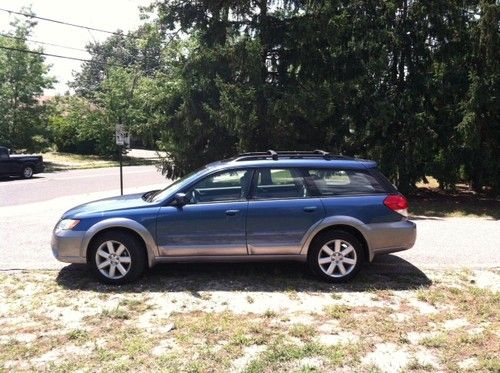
(331, 221)
(151, 247)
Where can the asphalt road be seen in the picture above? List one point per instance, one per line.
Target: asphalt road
(29, 209)
(46, 186)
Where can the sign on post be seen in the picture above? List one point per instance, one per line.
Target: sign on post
(122, 136)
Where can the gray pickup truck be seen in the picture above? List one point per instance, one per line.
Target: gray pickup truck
(24, 166)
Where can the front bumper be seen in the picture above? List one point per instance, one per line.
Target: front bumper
(66, 246)
(385, 238)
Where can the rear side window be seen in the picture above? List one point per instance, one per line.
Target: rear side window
(278, 183)
(331, 182)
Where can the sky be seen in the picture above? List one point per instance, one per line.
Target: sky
(103, 14)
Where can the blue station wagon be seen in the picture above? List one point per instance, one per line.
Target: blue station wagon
(332, 212)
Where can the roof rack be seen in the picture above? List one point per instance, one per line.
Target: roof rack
(275, 155)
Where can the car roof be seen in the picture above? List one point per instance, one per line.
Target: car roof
(294, 162)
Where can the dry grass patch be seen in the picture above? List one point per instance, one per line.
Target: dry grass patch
(56, 161)
(249, 323)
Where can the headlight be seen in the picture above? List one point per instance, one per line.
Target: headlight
(67, 224)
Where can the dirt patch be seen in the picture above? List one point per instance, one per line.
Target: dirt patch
(430, 201)
(250, 323)
(388, 357)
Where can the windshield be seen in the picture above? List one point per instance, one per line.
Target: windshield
(176, 185)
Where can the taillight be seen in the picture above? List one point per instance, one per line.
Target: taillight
(397, 203)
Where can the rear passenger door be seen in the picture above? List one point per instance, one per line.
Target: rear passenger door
(280, 212)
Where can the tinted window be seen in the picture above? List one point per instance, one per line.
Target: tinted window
(278, 183)
(330, 182)
(223, 186)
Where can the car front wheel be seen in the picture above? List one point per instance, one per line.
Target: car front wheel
(336, 256)
(117, 258)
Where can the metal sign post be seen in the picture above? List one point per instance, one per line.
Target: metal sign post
(121, 171)
(123, 141)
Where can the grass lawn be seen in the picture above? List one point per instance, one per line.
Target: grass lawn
(431, 201)
(55, 161)
(250, 318)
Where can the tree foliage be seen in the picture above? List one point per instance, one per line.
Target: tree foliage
(78, 126)
(23, 77)
(413, 84)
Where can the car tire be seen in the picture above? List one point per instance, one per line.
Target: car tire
(27, 172)
(335, 256)
(117, 257)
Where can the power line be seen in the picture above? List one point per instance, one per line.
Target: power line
(44, 54)
(42, 42)
(64, 23)
(68, 57)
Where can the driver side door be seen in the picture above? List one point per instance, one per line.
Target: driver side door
(212, 223)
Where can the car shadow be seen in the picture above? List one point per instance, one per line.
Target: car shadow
(387, 273)
(14, 178)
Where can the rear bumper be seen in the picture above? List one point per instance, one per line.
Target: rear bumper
(385, 238)
(40, 167)
(66, 246)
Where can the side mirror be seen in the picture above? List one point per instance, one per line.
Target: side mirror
(180, 199)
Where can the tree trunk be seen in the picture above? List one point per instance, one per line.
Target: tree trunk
(262, 139)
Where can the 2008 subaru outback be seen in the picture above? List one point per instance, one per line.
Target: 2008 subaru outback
(332, 212)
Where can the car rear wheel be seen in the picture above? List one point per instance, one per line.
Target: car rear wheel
(117, 258)
(336, 256)
(27, 172)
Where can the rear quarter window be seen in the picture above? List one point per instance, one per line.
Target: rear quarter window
(331, 182)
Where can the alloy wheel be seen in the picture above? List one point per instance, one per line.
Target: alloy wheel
(113, 259)
(337, 258)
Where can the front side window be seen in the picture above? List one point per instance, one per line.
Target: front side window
(329, 182)
(278, 183)
(220, 187)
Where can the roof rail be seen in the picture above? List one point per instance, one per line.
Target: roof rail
(325, 154)
(273, 154)
(293, 154)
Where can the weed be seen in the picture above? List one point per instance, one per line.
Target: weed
(78, 335)
(269, 313)
(115, 313)
(302, 331)
(337, 311)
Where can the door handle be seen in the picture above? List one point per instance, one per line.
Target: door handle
(310, 208)
(232, 212)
